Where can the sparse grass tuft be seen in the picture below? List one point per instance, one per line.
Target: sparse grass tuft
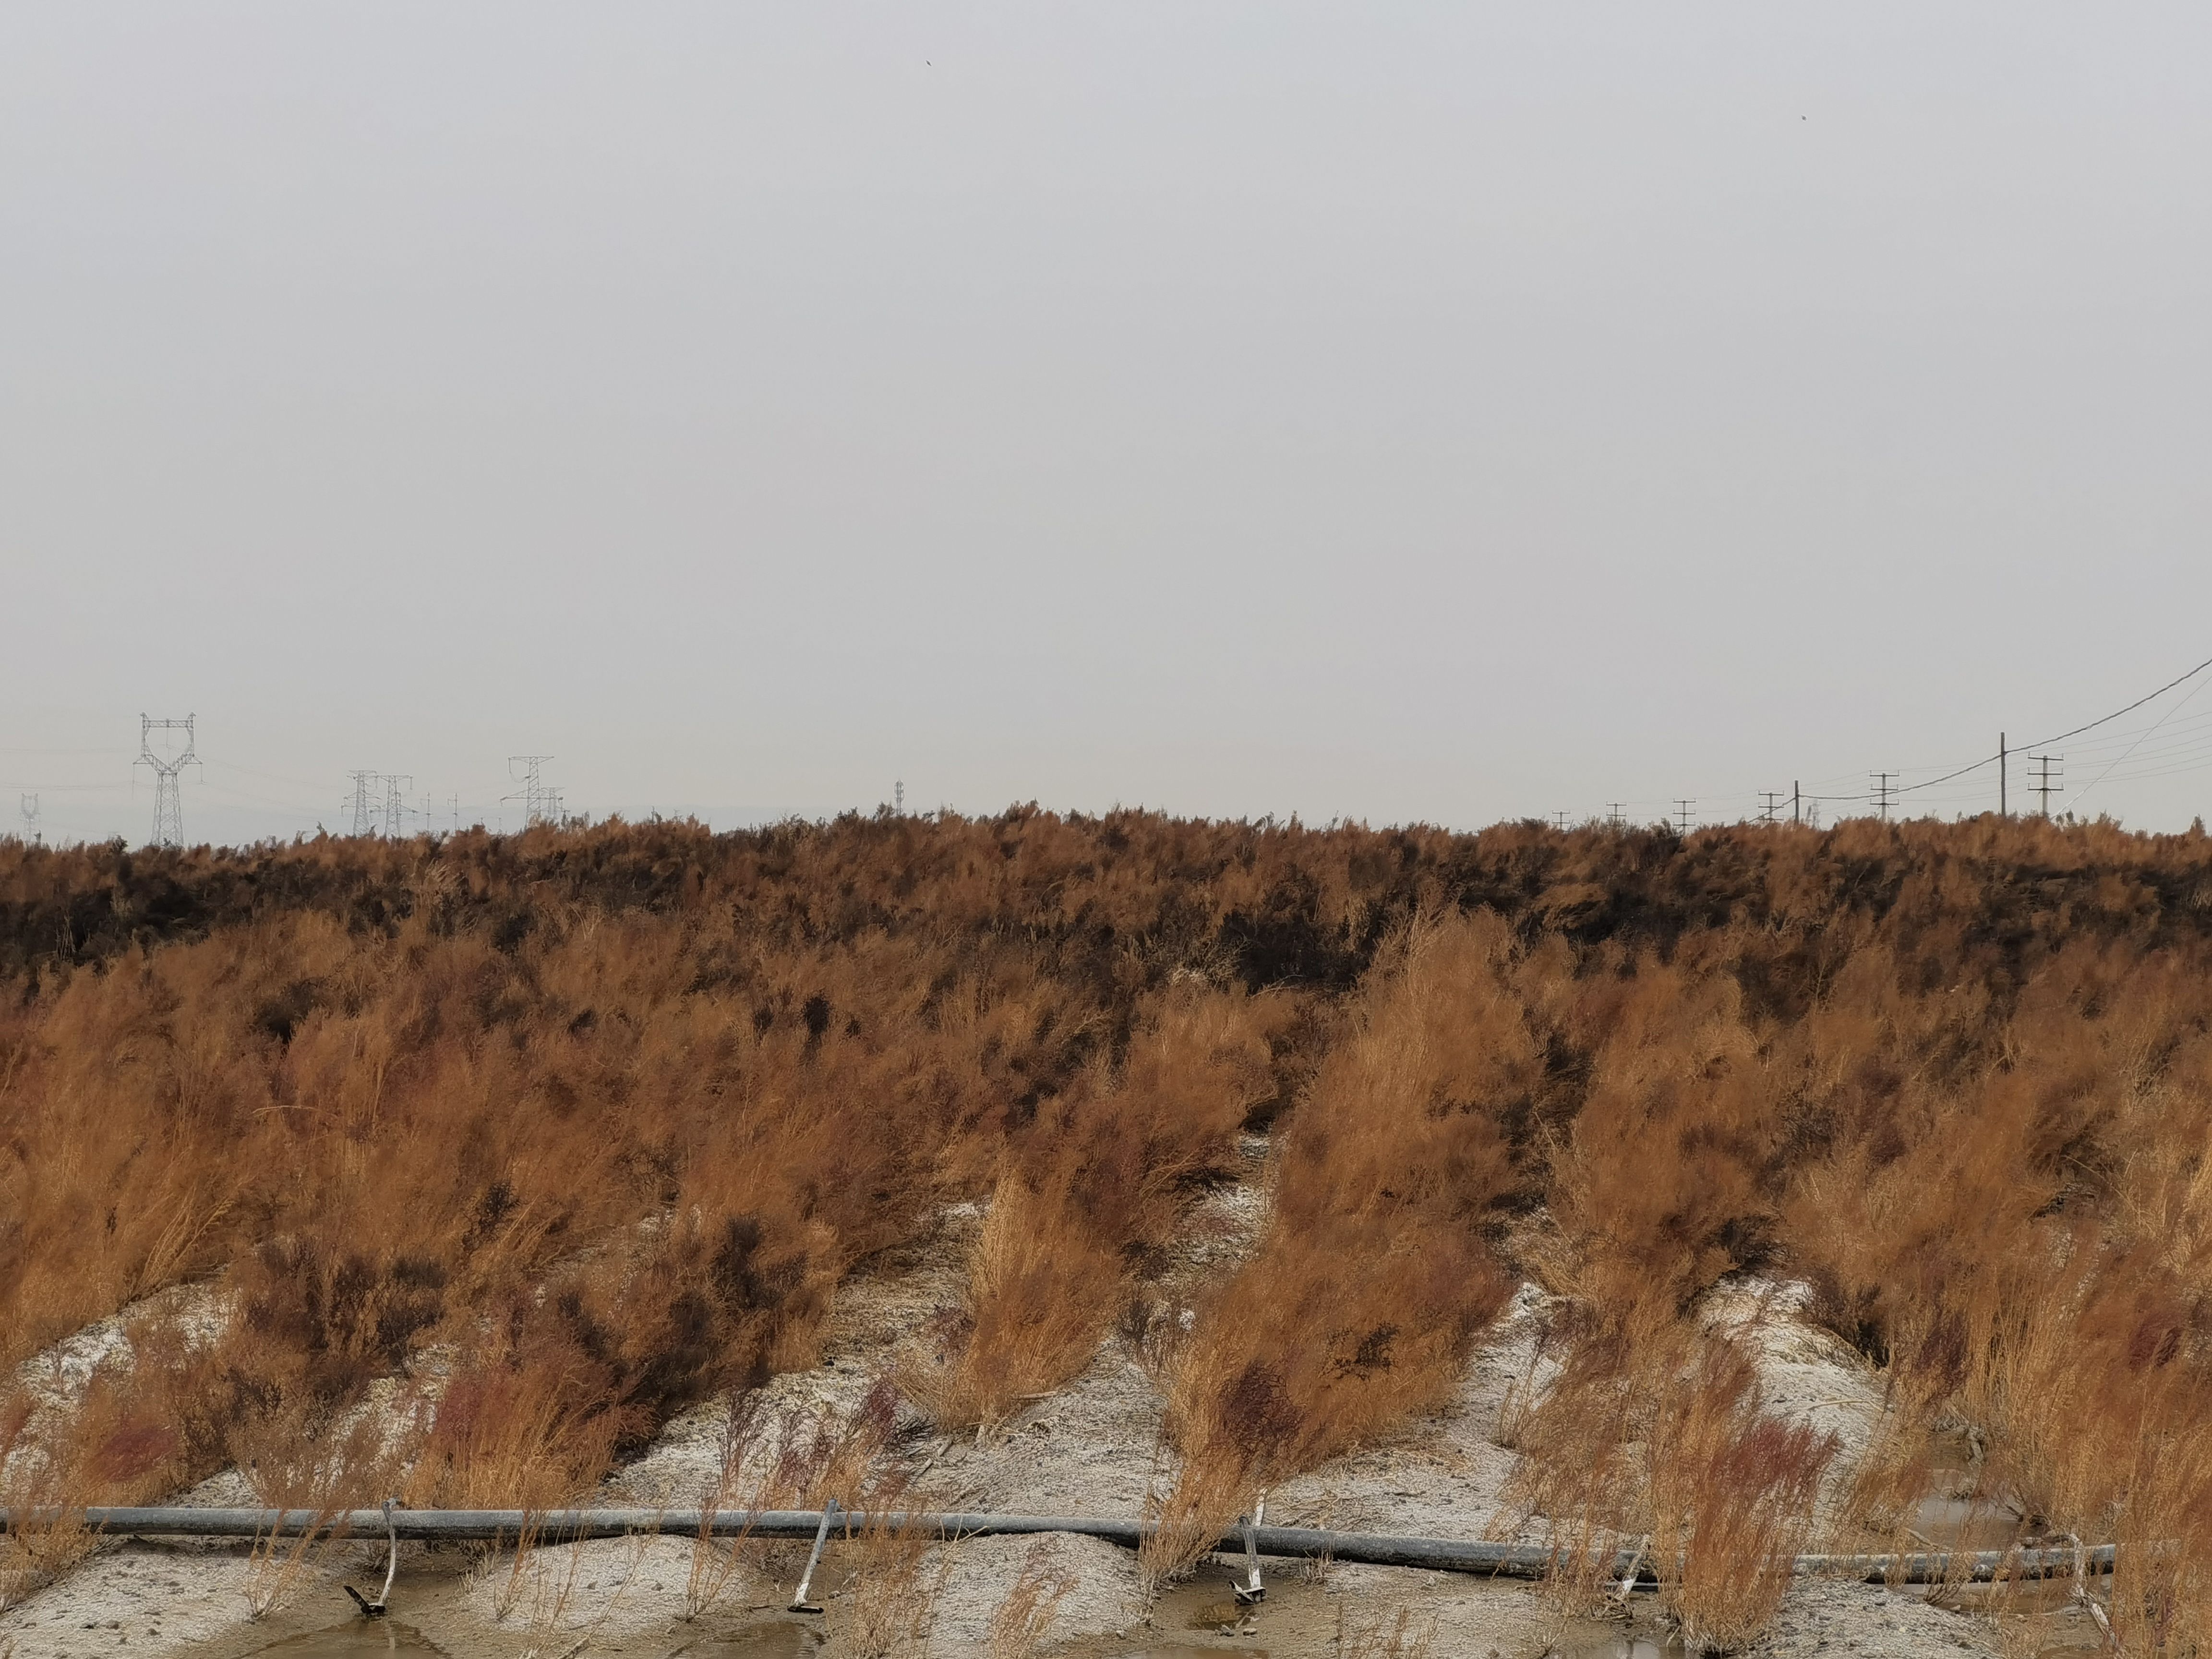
(895, 1579)
(1399, 1635)
(276, 1567)
(1021, 1623)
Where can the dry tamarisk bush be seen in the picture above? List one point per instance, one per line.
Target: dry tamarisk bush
(563, 1133)
(1095, 1186)
(1369, 1283)
(1730, 1490)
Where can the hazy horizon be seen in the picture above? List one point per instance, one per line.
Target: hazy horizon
(1422, 413)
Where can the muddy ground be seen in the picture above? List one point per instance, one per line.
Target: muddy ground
(1092, 1449)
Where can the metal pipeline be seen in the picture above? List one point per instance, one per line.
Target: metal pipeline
(551, 1527)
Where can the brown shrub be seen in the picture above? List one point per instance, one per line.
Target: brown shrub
(594, 1123)
(1095, 1190)
(1731, 1491)
(1370, 1280)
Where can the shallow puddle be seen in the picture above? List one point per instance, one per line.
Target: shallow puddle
(1963, 1524)
(362, 1638)
(768, 1642)
(356, 1639)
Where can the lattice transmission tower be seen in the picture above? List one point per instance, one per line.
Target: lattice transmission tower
(395, 806)
(540, 801)
(31, 820)
(363, 801)
(168, 805)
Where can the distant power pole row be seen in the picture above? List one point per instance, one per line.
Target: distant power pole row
(378, 802)
(380, 806)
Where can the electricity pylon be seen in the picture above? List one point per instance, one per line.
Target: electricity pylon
(168, 805)
(395, 808)
(540, 801)
(364, 802)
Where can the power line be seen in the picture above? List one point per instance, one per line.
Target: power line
(2138, 742)
(1885, 794)
(2044, 743)
(1931, 782)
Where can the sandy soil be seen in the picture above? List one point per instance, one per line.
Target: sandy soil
(1091, 1449)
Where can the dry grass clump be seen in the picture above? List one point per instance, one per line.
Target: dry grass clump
(277, 1568)
(895, 1578)
(45, 1499)
(1023, 1621)
(1399, 1635)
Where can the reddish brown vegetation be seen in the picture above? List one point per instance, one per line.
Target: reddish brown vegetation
(597, 1122)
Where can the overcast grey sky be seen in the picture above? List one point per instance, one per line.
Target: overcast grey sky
(1442, 411)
